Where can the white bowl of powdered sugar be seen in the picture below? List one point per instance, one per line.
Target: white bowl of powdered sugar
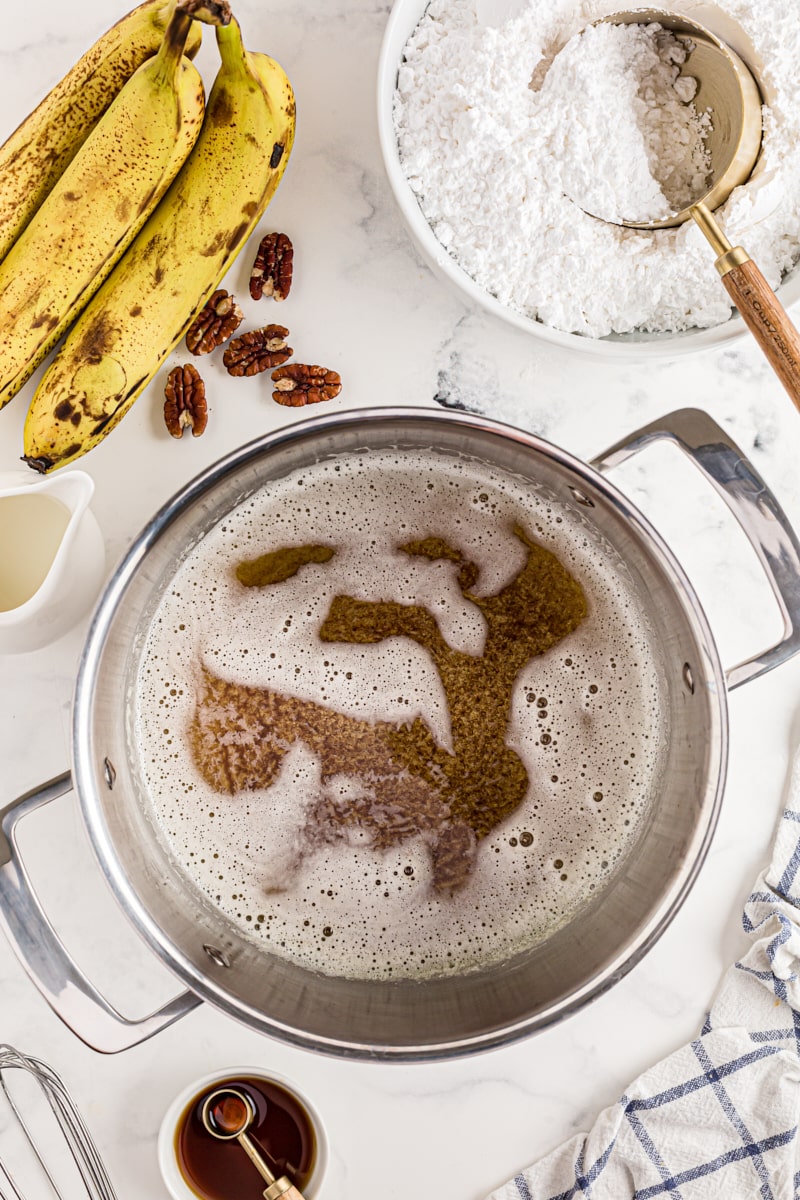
(505, 123)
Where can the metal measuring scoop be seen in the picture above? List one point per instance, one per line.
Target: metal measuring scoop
(227, 1114)
(727, 88)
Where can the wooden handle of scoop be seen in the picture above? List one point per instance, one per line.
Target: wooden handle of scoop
(766, 319)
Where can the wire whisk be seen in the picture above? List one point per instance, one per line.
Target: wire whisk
(77, 1138)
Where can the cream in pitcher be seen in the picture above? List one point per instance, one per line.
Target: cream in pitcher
(52, 560)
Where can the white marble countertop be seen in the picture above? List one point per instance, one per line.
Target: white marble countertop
(364, 304)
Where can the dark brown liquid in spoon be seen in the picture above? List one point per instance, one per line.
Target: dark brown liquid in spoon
(229, 1115)
(282, 1130)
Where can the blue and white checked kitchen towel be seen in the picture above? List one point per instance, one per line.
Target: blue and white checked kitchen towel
(717, 1120)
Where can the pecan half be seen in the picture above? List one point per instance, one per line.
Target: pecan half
(219, 318)
(272, 270)
(257, 351)
(185, 405)
(298, 384)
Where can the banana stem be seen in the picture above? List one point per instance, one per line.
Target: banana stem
(231, 48)
(211, 12)
(170, 51)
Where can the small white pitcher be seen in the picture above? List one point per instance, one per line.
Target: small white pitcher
(52, 558)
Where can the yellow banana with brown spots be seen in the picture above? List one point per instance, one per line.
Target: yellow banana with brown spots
(36, 154)
(101, 201)
(148, 302)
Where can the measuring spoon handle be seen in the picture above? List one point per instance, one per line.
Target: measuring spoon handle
(758, 306)
(768, 322)
(278, 1189)
(281, 1189)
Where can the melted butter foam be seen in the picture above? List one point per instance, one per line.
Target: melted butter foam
(585, 717)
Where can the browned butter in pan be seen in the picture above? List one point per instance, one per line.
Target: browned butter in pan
(220, 1170)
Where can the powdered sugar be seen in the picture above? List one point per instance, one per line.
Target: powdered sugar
(650, 159)
(493, 162)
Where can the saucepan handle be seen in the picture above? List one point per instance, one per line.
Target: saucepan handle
(751, 502)
(64, 986)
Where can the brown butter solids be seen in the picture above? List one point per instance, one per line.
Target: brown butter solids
(412, 786)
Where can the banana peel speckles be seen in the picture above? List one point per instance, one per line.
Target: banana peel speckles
(98, 205)
(36, 154)
(176, 262)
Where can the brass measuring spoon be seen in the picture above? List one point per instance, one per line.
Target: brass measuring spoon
(228, 1113)
(728, 89)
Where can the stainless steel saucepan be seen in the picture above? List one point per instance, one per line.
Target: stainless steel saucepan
(402, 1019)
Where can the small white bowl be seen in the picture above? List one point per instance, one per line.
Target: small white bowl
(172, 1175)
(403, 19)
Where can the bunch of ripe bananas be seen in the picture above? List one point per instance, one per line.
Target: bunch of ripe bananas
(124, 198)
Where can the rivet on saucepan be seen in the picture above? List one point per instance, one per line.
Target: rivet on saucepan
(217, 956)
(581, 498)
(109, 772)
(688, 677)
